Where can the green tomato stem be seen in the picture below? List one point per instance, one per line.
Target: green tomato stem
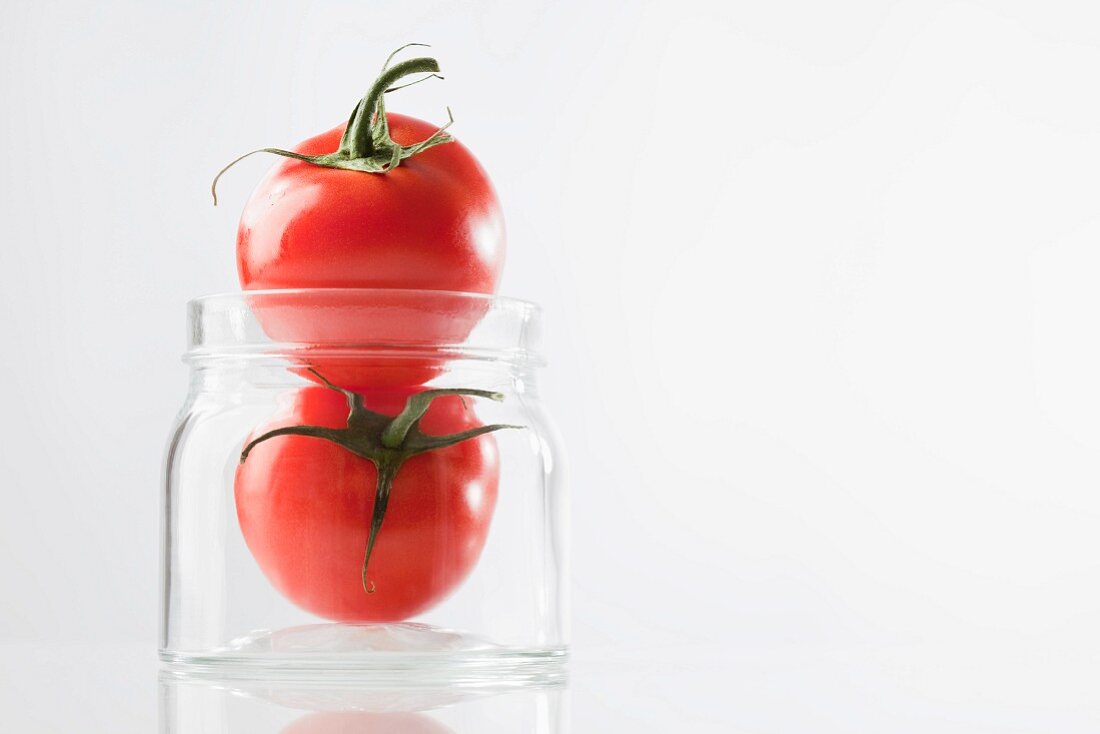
(368, 120)
(387, 472)
(384, 441)
(366, 145)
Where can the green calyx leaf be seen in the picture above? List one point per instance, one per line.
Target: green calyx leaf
(387, 442)
(366, 145)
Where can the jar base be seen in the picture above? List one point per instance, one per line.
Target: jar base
(383, 654)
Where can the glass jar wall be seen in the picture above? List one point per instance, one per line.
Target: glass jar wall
(364, 481)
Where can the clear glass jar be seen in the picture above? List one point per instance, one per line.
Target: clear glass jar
(364, 481)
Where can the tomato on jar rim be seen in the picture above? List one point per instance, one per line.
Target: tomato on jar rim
(385, 201)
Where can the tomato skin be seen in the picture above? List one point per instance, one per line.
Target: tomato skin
(304, 506)
(394, 372)
(433, 222)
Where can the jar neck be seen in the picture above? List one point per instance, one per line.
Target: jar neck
(364, 339)
(364, 324)
(221, 371)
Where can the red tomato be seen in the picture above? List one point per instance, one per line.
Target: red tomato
(305, 506)
(431, 222)
(365, 205)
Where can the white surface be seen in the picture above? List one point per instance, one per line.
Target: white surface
(820, 282)
(905, 689)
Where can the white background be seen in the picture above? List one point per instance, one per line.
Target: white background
(819, 282)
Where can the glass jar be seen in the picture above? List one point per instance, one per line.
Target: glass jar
(364, 481)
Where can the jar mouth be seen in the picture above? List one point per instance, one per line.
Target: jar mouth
(362, 323)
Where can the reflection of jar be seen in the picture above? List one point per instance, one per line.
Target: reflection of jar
(364, 480)
(198, 704)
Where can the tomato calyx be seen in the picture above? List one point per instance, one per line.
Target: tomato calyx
(387, 442)
(366, 145)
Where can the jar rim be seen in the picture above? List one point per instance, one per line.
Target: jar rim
(363, 322)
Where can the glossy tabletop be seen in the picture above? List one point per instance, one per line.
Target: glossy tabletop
(946, 689)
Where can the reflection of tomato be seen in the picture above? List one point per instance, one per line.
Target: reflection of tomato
(305, 507)
(362, 722)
